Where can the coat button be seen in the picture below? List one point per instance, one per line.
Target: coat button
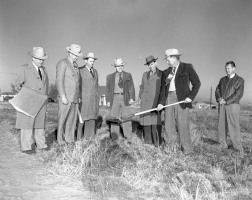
(39, 88)
(37, 77)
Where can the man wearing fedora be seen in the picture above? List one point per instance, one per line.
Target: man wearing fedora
(228, 94)
(176, 87)
(67, 79)
(149, 95)
(90, 97)
(120, 93)
(33, 76)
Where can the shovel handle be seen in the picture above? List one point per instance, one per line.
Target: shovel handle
(153, 109)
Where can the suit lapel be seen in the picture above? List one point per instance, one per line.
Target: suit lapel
(180, 69)
(71, 67)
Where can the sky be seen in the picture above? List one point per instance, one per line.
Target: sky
(207, 32)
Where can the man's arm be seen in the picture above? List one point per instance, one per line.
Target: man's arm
(60, 79)
(132, 90)
(218, 95)
(195, 81)
(108, 88)
(20, 80)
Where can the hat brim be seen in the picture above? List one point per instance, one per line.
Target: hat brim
(153, 60)
(178, 54)
(75, 53)
(89, 57)
(118, 65)
(43, 57)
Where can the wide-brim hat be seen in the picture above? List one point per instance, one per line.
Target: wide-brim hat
(150, 59)
(90, 55)
(172, 52)
(38, 52)
(118, 62)
(75, 49)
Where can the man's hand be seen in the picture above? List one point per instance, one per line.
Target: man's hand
(108, 104)
(188, 100)
(79, 100)
(222, 101)
(160, 107)
(131, 101)
(64, 99)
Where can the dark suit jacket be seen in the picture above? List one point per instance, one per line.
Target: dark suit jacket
(184, 76)
(231, 90)
(128, 88)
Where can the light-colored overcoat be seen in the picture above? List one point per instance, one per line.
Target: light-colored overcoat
(90, 97)
(67, 80)
(149, 95)
(28, 76)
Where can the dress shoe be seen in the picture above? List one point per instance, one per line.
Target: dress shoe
(44, 149)
(29, 152)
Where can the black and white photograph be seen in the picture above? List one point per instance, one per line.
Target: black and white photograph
(125, 100)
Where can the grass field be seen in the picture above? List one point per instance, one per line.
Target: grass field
(134, 170)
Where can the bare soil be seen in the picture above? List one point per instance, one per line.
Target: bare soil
(23, 176)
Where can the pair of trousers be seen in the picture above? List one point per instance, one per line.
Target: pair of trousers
(67, 122)
(119, 110)
(229, 121)
(152, 134)
(87, 130)
(29, 136)
(177, 124)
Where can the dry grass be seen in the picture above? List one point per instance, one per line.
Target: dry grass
(134, 170)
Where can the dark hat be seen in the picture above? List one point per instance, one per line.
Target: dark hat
(150, 59)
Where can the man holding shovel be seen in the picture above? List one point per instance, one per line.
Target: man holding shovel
(176, 87)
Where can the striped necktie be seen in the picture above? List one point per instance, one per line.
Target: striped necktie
(91, 72)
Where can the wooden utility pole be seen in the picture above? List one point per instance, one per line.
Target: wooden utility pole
(211, 98)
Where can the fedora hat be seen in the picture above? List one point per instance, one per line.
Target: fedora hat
(38, 52)
(118, 62)
(90, 55)
(75, 49)
(150, 59)
(172, 52)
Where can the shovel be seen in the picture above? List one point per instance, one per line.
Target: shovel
(126, 118)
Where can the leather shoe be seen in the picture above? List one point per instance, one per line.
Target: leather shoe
(29, 152)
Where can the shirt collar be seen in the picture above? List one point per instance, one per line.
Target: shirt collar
(36, 67)
(232, 76)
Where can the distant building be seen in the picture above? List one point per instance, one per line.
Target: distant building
(205, 106)
(102, 93)
(6, 96)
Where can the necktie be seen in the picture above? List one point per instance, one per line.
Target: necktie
(91, 72)
(75, 65)
(120, 82)
(40, 74)
(173, 71)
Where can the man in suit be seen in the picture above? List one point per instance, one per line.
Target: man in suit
(149, 95)
(90, 98)
(67, 79)
(120, 93)
(228, 93)
(176, 87)
(33, 76)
